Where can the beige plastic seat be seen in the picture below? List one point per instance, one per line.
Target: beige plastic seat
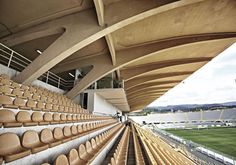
(80, 129)
(48, 107)
(47, 117)
(55, 108)
(69, 118)
(61, 108)
(27, 95)
(5, 101)
(74, 132)
(40, 106)
(74, 158)
(66, 109)
(84, 127)
(15, 85)
(67, 134)
(10, 147)
(17, 92)
(5, 81)
(83, 154)
(46, 137)
(43, 98)
(63, 118)
(6, 90)
(61, 160)
(8, 119)
(94, 145)
(58, 134)
(38, 117)
(19, 102)
(89, 148)
(56, 118)
(24, 87)
(74, 118)
(30, 104)
(35, 97)
(30, 140)
(25, 118)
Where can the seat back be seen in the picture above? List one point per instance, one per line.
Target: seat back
(7, 116)
(74, 130)
(47, 117)
(9, 143)
(82, 152)
(67, 131)
(61, 160)
(46, 136)
(56, 117)
(80, 129)
(19, 102)
(69, 118)
(63, 117)
(73, 157)
(89, 148)
(5, 100)
(37, 117)
(23, 116)
(30, 138)
(57, 133)
(93, 143)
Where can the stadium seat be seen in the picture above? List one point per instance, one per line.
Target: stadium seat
(74, 158)
(25, 118)
(8, 119)
(46, 136)
(67, 134)
(58, 134)
(30, 140)
(10, 147)
(47, 117)
(61, 160)
(38, 117)
(74, 132)
(56, 118)
(83, 154)
(5, 101)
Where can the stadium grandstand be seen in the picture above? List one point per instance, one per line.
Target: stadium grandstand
(72, 71)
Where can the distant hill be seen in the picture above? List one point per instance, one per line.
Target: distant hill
(191, 107)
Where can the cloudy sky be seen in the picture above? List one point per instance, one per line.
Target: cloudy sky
(213, 83)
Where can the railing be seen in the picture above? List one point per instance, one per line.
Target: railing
(14, 60)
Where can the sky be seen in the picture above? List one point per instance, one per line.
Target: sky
(215, 82)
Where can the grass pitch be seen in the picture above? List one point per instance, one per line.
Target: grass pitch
(220, 139)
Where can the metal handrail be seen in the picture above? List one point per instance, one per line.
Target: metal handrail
(22, 62)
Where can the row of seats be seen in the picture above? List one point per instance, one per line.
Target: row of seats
(29, 104)
(14, 95)
(87, 152)
(139, 159)
(121, 153)
(6, 81)
(158, 151)
(23, 118)
(12, 148)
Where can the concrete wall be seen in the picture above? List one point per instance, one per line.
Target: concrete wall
(11, 72)
(98, 105)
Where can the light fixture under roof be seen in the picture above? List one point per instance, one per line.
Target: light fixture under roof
(39, 51)
(71, 75)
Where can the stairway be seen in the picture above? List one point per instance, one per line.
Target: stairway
(131, 152)
(107, 160)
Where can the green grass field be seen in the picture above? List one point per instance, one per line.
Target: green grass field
(220, 139)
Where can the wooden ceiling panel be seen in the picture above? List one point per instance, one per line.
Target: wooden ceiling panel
(199, 18)
(206, 49)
